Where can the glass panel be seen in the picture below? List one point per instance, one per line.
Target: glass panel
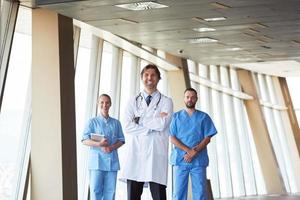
(15, 108)
(106, 66)
(293, 84)
(272, 129)
(81, 88)
(244, 138)
(232, 137)
(127, 75)
(221, 141)
(192, 67)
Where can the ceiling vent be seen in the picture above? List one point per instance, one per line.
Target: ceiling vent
(147, 5)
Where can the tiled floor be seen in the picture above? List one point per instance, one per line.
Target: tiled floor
(266, 197)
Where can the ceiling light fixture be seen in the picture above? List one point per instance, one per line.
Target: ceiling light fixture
(147, 5)
(220, 5)
(243, 58)
(234, 49)
(204, 29)
(214, 19)
(202, 40)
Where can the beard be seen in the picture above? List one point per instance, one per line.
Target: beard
(190, 105)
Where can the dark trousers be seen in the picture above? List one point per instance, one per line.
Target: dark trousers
(135, 190)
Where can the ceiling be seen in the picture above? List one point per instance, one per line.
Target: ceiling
(254, 32)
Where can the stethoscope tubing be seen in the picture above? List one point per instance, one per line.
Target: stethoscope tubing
(140, 96)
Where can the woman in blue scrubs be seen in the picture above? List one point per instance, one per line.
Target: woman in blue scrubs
(104, 135)
(190, 132)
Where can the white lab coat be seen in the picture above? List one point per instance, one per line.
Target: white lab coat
(146, 146)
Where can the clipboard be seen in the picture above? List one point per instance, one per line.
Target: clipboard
(97, 137)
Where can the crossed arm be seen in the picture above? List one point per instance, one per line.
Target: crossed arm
(190, 152)
(157, 123)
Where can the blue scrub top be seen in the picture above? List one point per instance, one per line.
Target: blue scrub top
(191, 130)
(112, 130)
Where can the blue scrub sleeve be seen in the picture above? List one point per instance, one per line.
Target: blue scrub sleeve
(87, 130)
(173, 127)
(120, 133)
(208, 127)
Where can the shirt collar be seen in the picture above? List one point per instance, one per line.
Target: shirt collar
(103, 118)
(145, 94)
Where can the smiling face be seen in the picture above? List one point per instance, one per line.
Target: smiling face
(190, 99)
(150, 79)
(104, 104)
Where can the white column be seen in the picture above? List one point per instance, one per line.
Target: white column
(272, 129)
(262, 143)
(287, 132)
(243, 136)
(206, 106)
(232, 138)
(281, 136)
(115, 81)
(221, 140)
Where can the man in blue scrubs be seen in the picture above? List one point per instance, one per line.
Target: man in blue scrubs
(104, 135)
(190, 132)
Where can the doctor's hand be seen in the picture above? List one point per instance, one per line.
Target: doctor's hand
(163, 114)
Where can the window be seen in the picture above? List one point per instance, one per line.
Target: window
(15, 111)
(293, 84)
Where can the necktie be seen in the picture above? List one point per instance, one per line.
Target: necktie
(148, 99)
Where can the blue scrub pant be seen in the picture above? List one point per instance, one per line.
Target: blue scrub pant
(103, 184)
(181, 178)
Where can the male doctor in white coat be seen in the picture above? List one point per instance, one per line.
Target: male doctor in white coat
(146, 124)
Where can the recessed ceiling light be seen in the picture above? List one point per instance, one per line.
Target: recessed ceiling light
(147, 5)
(204, 29)
(214, 19)
(234, 49)
(220, 5)
(243, 58)
(202, 40)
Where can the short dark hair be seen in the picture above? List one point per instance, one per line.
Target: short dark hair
(190, 90)
(151, 66)
(104, 95)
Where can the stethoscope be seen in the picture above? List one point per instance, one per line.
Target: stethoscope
(139, 96)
